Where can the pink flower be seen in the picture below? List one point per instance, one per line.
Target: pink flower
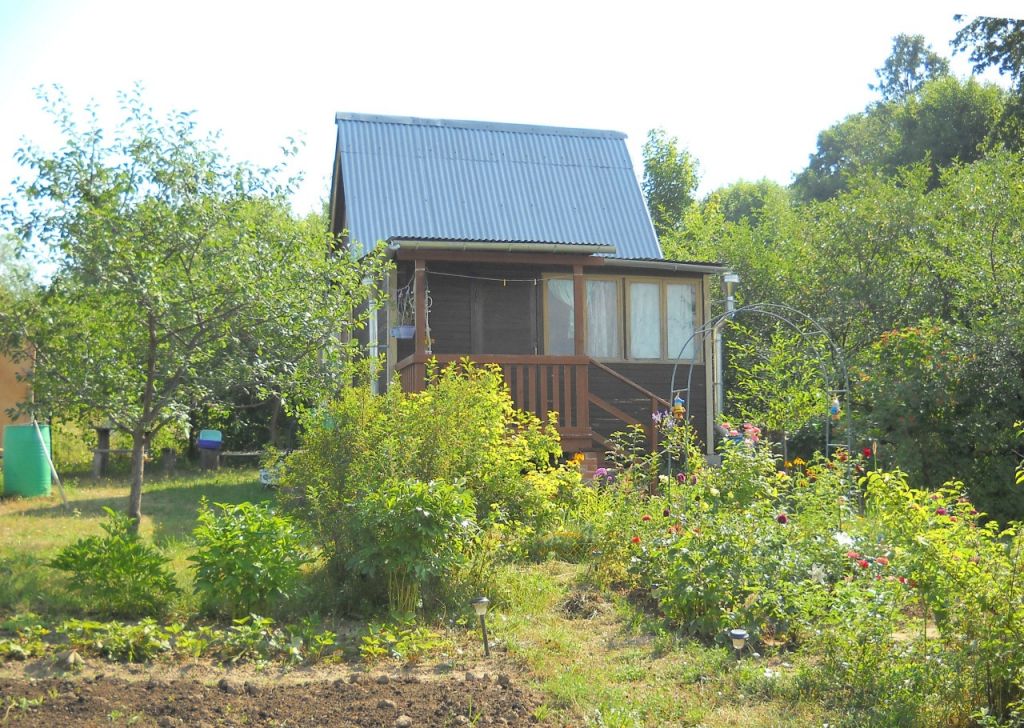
(852, 555)
(782, 518)
(940, 511)
(882, 560)
(863, 563)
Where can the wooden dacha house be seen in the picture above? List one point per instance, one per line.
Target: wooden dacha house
(529, 247)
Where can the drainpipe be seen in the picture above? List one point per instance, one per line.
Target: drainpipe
(729, 282)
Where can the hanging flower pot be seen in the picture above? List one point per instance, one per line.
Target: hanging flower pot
(405, 331)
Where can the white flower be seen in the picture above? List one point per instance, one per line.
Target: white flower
(817, 573)
(844, 539)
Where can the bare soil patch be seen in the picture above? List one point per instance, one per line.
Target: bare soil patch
(205, 695)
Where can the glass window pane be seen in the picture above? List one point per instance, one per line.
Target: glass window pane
(682, 314)
(560, 326)
(604, 337)
(644, 321)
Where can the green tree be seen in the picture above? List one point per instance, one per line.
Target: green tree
(944, 121)
(911, 63)
(993, 42)
(670, 180)
(178, 275)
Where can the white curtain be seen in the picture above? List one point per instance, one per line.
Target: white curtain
(682, 314)
(644, 321)
(561, 320)
(604, 338)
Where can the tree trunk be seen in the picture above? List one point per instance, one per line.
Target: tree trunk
(138, 472)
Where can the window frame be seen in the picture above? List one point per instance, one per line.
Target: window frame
(623, 311)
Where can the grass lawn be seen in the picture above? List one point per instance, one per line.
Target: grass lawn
(33, 530)
(598, 660)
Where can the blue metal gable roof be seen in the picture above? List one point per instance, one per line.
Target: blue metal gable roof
(430, 179)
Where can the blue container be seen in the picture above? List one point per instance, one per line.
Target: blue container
(210, 439)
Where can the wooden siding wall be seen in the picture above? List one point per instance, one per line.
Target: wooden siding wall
(656, 378)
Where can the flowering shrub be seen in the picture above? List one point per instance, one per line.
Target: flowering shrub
(463, 428)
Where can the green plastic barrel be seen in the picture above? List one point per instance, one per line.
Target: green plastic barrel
(26, 460)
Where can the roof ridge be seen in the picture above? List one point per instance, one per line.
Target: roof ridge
(480, 125)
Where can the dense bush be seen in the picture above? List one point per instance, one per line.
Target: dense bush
(463, 428)
(409, 532)
(248, 557)
(118, 574)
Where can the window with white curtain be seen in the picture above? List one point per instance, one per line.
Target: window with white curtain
(560, 323)
(604, 332)
(681, 302)
(634, 318)
(645, 320)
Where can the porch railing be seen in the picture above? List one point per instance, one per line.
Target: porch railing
(545, 384)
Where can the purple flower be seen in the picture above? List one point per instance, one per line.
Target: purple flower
(601, 473)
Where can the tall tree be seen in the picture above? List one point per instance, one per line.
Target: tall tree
(670, 180)
(993, 42)
(911, 63)
(178, 275)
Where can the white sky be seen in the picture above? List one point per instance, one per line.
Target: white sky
(746, 86)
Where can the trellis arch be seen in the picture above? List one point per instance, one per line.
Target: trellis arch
(805, 327)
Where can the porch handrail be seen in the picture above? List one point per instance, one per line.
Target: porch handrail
(626, 380)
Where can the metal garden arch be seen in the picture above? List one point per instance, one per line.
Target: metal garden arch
(798, 321)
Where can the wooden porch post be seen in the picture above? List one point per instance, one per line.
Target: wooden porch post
(419, 369)
(579, 300)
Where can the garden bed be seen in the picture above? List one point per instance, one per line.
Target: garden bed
(198, 694)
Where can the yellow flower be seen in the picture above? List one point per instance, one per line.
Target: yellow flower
(799, 461)
(787, 464)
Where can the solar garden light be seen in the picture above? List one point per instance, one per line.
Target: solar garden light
(739, 640)
(480, 605)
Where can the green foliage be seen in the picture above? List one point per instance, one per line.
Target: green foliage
(942, 122)
(410, 532)
(118, 574)
(248, 557)
(407, 642)
(461, 434)
(911, 63)
(180, 277)
(780, 383)
(116, 641)
(670, 180)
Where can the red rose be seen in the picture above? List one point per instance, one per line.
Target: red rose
(867, 452)
(635, 539)
(863, 563)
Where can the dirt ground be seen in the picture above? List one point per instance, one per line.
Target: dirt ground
(200, 694)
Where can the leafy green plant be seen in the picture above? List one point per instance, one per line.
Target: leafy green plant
(404, 641)
(118, 641)
(411, 531)
(118, 574)
(462, 428)
(247, 557)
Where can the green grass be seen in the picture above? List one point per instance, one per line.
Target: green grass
(33, 530)
(611, 666)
